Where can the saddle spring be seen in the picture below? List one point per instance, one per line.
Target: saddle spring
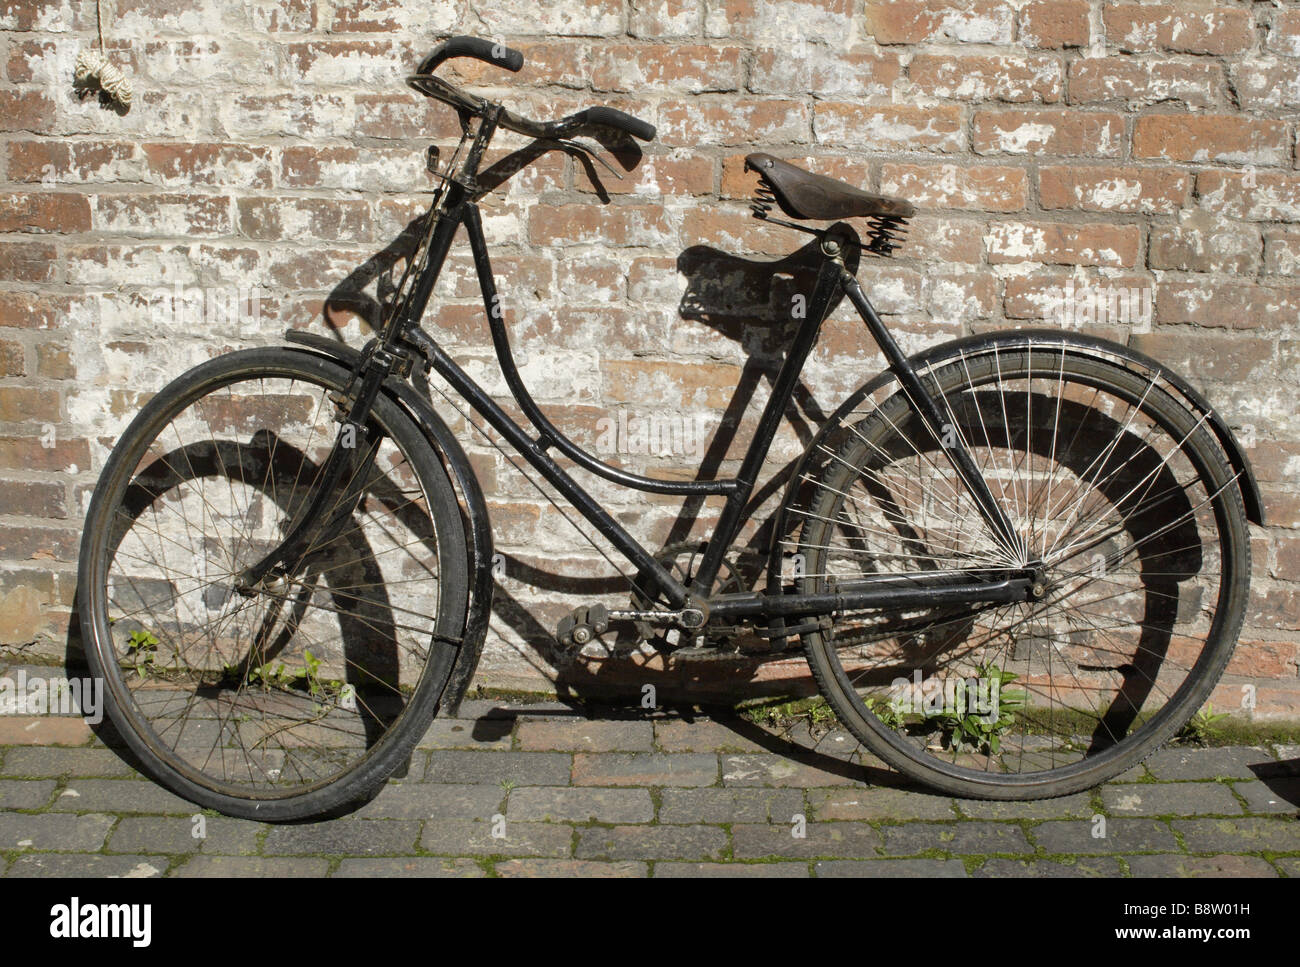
(764, 198)
(884, 233)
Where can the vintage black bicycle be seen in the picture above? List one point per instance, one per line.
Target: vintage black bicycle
(1017, 562)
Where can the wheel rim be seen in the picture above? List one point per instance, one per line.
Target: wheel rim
(1108, 489)
(281, 692)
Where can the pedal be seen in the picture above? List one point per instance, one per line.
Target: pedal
(582, 625)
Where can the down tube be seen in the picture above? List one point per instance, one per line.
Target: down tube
(572, 491)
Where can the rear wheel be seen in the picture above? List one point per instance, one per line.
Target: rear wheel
(1125, 506)
(298, 697)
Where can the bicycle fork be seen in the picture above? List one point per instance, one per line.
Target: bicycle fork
(341, 464)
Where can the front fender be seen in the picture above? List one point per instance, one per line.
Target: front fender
(479, 533)
(969, 346)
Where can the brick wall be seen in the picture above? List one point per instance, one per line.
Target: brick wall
(273, 145)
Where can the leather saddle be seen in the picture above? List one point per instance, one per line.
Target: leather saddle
(804, 195)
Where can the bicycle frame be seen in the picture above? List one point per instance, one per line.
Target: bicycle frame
(402, 337)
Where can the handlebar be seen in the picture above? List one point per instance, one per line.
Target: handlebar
(500, 55)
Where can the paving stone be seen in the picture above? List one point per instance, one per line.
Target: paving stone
(776, 770)
(651, 843)
(40, 762)
(353, 837)
(583, 735)
(434, 800)
(55, 832)
(970, 838)
(580, 805)
(702, 735)
(462, 837)
(88, 865)
(464, 766)
(833, 743)
(469, 734)
(496, 708)
(1229, 761)
(1252, 834)
(260, 867)
(408, 866)
(25, 793)
(1169, 865)
(1273, 796)
(733, 871)
(756, 804)
(231, 837)
(120, 796)
(645, 769)
(43, 730)
(154, 834)
(850, 840)
(1287, 753)
(1290, 865)
(877, 802)
(1076, 866)
(586, 869)
(1066, 807)
(1170, 799)
(946, 869)
(1123, 835)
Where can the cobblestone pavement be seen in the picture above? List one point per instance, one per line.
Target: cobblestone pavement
(536, 790)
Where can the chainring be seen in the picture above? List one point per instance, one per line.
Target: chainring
(681, 560)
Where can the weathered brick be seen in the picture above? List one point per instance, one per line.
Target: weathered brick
(1139, 82)
(1092, 133)
(1061, 243)
(1055, 23)
(1146, 27)
(919, 21)
(25, 111)
(1204, 137)
(1200, 242)
(679, 67)
(993, 188)
(733, 121)
(1129, 190)
(889, 127)
(980, 77)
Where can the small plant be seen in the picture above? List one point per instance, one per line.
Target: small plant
(887, 712)
(975, 731)
(1203, 726)
(142, 647)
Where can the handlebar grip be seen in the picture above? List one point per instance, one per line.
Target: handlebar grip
(498, 55)
(618, 120)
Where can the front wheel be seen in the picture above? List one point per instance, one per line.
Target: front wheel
(1124, 504)
(298, 695)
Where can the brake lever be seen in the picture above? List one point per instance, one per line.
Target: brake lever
(570, 145)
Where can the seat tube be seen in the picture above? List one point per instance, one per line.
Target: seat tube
(782, 390)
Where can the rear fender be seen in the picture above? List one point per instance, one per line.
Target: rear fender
(971, 346)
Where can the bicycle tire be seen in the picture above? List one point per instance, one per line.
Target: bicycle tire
(395, 691)
(913, 742)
